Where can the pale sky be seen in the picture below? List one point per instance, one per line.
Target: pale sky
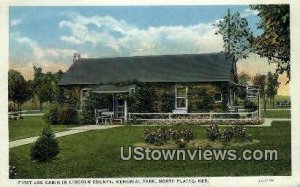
(48, 36)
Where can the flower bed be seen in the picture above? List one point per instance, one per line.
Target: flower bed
(255, 121)
(162, 136)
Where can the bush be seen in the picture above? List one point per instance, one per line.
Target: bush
(57, 114)
(67, 115)
(158, 137)
(162, 135)
(233, 133)
(213, 132)
(250, 105)
(46, 147)
(12, 171)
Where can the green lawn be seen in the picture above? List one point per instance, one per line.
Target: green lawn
(276, 113)
(30, 126)
(97, 154)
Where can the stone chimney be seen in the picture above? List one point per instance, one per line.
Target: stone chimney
(76, 57)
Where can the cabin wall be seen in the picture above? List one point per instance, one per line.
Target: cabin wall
(160, 97)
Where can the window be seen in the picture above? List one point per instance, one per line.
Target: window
(218, 98)
(85, 93)
(181, 97)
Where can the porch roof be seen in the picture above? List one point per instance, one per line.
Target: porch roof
(113, 89)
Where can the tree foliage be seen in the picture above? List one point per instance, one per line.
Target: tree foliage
(46, 147)
(45, 85)
(244, 78)
(274, 42)
(236, 35)
(19, 90)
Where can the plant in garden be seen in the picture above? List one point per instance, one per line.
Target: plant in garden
(181, 143)
(250, 105)
(233, 133)
(213, 132)
(58, 114)
(46, 147)
(162, 136)
(12, 171)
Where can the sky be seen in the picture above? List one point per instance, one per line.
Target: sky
(48, 36)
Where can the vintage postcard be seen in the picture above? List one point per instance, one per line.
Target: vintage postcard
(140, 94)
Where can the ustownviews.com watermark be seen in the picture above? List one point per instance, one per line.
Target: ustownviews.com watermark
(140, 153)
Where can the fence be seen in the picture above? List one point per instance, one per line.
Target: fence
(193, 116)
(283, 104)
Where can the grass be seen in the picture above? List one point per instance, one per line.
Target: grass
(97, 154)
(276, 113)
(30, 126)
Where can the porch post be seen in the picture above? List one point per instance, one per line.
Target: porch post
(125, 110)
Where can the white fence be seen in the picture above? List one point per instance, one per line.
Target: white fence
(193, 116)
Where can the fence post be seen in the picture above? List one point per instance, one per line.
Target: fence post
(170, 115)
(210, 115)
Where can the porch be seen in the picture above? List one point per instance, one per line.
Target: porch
(115, 109)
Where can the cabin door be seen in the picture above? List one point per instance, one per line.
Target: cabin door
(119, 108)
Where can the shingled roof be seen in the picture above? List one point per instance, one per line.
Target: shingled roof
(162, 68)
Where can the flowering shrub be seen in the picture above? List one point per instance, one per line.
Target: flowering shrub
(233, 133)
(213, 132)
(12, 171)
(157, 137)
(162, 135)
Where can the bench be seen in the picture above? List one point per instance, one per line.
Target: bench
(13, 115)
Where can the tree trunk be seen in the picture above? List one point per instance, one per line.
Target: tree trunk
(265, 102)
(41, 104)
(273, 102)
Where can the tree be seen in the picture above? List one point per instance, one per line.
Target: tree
(236, 35)
(19, 90)
(46, 147)
(244, 78)
(272, 86)
(260, 80)
(274, 42)
(45, 86)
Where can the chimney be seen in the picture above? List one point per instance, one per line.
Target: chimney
(76, 57)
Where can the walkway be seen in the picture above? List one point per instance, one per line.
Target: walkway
(70, 131)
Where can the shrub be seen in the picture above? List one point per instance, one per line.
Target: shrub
(46, 147)
(181, 143)
(12, 171)
(57, 114)
(233, 133)
(51, 113)
(213, 132)
(162, 135)
(67, 115)
(157, 137)
(250, 105)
